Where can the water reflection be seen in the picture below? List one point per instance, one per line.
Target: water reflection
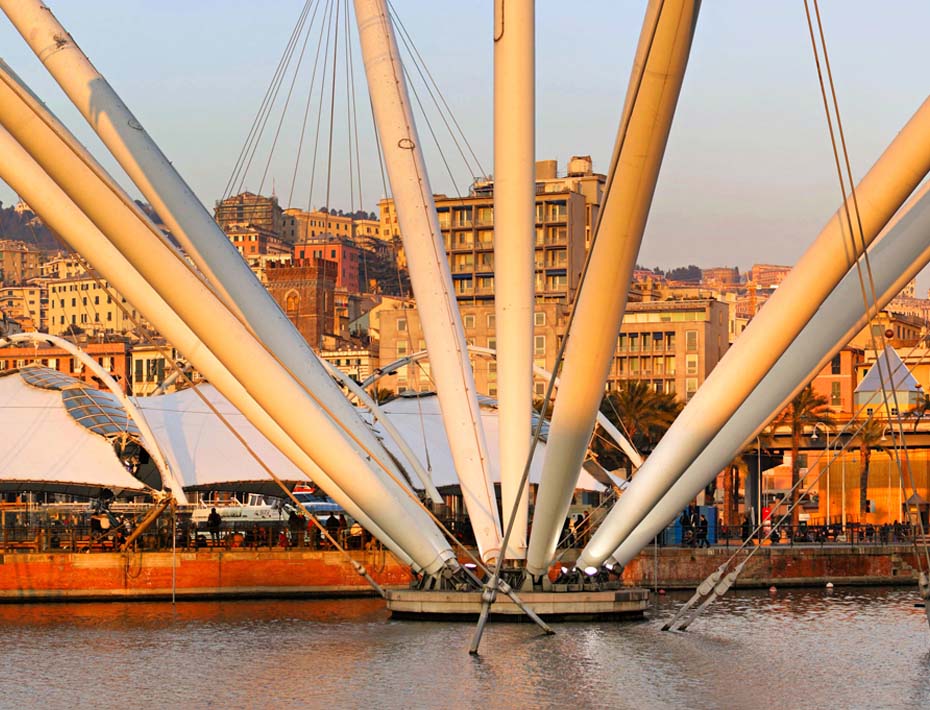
(812, 649)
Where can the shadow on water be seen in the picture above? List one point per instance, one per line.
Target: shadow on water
(797, 648)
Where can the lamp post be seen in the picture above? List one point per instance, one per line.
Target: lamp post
(814, 438)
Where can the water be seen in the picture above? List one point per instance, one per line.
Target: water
(852, 648)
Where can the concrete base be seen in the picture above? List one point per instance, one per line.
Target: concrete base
(627, 603)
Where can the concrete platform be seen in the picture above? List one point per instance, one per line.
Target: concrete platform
(626, 603)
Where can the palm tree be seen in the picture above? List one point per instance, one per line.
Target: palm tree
(869, 435)
(644, 414)
(805, 410)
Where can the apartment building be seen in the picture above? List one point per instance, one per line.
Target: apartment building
(673, 345)
(18, 262)
(88, 305)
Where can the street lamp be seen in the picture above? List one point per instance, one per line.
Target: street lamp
(814, 438)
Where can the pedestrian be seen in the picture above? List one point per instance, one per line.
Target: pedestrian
(214, 520)
(702, 532)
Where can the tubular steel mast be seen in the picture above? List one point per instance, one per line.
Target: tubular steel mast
(658, 72)
(881, 192)
(429, 271)
(895, 258)
(158, 180)
(514, 238)
(23, 174)
(292, 407)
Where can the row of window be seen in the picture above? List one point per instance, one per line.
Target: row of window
(466, 215)
(657, 341)
(469, 321)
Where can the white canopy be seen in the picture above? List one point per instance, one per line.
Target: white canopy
(419, 420)
(43, 445)
(42, 448)
(202, 449)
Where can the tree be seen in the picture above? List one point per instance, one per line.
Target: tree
(869, 435)
(805, 410)
(642, 413)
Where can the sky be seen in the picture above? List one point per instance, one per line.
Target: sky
(748, 174)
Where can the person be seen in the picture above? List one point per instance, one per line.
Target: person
(747, 528)
(295, 523)
(341, 528)
(702, 532)
(214, 520)
(332, 526)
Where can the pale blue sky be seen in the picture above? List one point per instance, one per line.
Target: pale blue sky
(748, 174)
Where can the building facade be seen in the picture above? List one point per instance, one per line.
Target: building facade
(249, 209)
(18, 262)
(673, 345)
(112, 357)
(304, 290)
(83, 304)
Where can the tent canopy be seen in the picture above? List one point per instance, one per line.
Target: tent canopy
(419, 420)
(44, 448)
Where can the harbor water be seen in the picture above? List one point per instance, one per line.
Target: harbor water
(845, 648)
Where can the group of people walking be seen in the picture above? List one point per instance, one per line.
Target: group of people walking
(694, 527)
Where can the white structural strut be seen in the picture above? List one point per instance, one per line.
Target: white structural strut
(514, 245)
(429, 271)
(879, 195)
(658, 72)
(895, 258)
(543, 374)
(158, 180)
(366, 400)
(57, 210)
(296, 411)
(148, 438)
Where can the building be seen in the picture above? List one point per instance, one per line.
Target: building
(767, 275)
(357, 363)
(340, 250)
(84, 304)
(250, 240)
(399, 335)
(111, 356)
(304, 290)
(150, 366)
(720, 276)
(566, 211)
(674, 345)
(300, 225)
(249, 209)
(18, 262)
(61, 266)
(837, 382)
(26, 305)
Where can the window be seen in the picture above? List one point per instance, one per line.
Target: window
(401, 325)
(691, 341)
(621, 342)
(492, 343)
(539, 346)
(835, 366)
(836, 399)
(691, 385)
(492, 321)
(634, 342)
(469, 320)
(401, 348)
(691, 364)
(539, 318)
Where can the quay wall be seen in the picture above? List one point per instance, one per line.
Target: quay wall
(64, 576)
(685, 568)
